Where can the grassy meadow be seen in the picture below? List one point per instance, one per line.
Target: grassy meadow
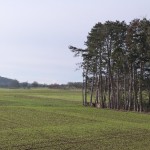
(46, 119)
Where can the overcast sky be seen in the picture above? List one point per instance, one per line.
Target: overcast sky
(35, 34)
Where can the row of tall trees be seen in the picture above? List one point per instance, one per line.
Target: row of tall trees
(116, 65)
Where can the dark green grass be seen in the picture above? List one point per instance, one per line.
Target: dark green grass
(55, 119)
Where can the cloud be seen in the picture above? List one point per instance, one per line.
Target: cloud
(35, 34)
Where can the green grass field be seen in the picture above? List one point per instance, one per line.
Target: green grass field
(44, 119)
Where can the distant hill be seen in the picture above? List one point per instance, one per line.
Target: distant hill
(8, 83)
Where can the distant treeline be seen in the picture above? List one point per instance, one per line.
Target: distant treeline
(8, 83)
(11, 83)
(69, 85)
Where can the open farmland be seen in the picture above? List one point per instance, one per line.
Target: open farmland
(55, 119)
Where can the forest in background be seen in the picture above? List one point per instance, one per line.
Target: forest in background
(116, 65)
(13, 83)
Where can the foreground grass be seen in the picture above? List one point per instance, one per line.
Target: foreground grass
(54, 119)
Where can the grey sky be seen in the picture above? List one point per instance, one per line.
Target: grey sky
(35, 34)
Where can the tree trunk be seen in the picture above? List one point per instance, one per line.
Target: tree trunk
(117, 101)
(113, 103)
(149, 96)
(92, 89)
(130, 88)
(97, 91)
(109, 71)
(125, 94)
(140, 87)
(83, 92)
(100, 82)
(135, 89)
(109, 93)
(105, 91)
(100, 90)
(85, 88)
